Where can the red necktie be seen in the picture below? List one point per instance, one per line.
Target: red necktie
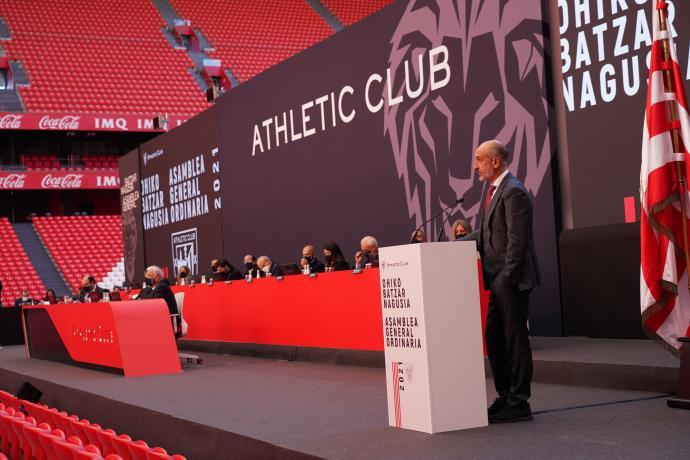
(489, 195)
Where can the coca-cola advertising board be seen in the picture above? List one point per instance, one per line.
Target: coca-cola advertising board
(59, 180)
(80, 122)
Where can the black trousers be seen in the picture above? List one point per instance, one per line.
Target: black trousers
(507, 341)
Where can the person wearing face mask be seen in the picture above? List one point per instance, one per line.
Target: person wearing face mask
(183, 275)
(369, 253)
(250, 264)
(158, 288)
(50, 297)
(25, 299)
(335, 260)
(460, 229)
(315, 266)
(265, 266)
(89, 286)
(418, 236)
(215, 266)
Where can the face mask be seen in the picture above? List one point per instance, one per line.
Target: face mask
(149, 282)
(329, 259)
(307, 258)
(249, 265)
(183, 274)
(266, 268)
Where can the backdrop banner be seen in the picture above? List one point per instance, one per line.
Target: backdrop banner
(180, 196)
(373, 131)
(132, 227)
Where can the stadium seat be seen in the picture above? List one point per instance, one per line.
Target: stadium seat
(73, 70)
(97, 250)
(18, 272)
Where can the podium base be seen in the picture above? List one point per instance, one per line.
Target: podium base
(678, 403)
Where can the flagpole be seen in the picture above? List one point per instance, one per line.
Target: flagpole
(669, 87)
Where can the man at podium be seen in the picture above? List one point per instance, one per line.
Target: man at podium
(509, 262)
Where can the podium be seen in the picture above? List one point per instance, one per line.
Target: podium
(433, 336)
(127, 338)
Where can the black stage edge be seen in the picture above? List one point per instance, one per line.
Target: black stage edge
(156, 428)
(600, 277)
(360, 358)
(637, 365)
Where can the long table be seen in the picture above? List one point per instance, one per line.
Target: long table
(340, 310)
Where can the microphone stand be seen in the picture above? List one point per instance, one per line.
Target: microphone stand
(452, 205)
(440, 232)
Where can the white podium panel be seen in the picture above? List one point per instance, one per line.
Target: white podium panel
(433, 336)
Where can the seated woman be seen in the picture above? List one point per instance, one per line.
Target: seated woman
(50, 297)
(460, 229)
(335, 260)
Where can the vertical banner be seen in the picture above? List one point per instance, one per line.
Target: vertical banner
(180, 194)
(373, 131)
(132, 227)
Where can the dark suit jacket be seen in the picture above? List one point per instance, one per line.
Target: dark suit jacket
(161, 291)
(505, 240)
(315, 266)
(275, 271)
(82, 293)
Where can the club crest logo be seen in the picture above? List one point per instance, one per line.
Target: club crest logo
(185, 251)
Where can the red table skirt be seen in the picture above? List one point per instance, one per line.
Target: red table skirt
(333, 310)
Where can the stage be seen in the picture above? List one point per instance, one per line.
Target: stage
(248, 407)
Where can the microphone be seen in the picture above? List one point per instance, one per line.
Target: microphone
(452, 205)
(440, 232)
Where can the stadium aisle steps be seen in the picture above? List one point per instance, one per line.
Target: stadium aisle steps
(40, 259)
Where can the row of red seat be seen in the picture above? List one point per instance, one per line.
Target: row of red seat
(82, 245)
(39, 432)
(16, 272)
(70, 66)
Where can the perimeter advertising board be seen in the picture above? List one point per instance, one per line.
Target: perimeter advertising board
(373, 130)
(180, 196)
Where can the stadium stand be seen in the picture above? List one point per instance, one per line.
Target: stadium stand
(41, 432)
(100, 162)
(249, 37)
(83, 245)
(34, 161)
(348, 12)
(95, 57)
(16, 271)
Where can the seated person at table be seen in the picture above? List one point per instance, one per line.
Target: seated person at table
(25, 299)
(182, 274)
(335, 260)
(315, 266)
(50, 297)
(88, 285)
(369, 253)
(158, 288)
(460, 229)
(418, 236)
(215, 266)
(250, 263)
(227, 272)
(265, 266)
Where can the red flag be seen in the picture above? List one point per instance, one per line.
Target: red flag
(664, 296)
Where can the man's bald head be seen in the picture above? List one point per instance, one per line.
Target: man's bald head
(490, 160)
(495, 148)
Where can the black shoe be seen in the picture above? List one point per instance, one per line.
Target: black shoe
(497, 405)
(512, 413)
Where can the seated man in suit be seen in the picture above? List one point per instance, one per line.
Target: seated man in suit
(369, 253)
(227, 272)
(158, 288)
(315, 266)
(250, 263)
(265, 266)
(88, 285)
(25, 299)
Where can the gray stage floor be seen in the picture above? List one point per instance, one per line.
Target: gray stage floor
(340, 411)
